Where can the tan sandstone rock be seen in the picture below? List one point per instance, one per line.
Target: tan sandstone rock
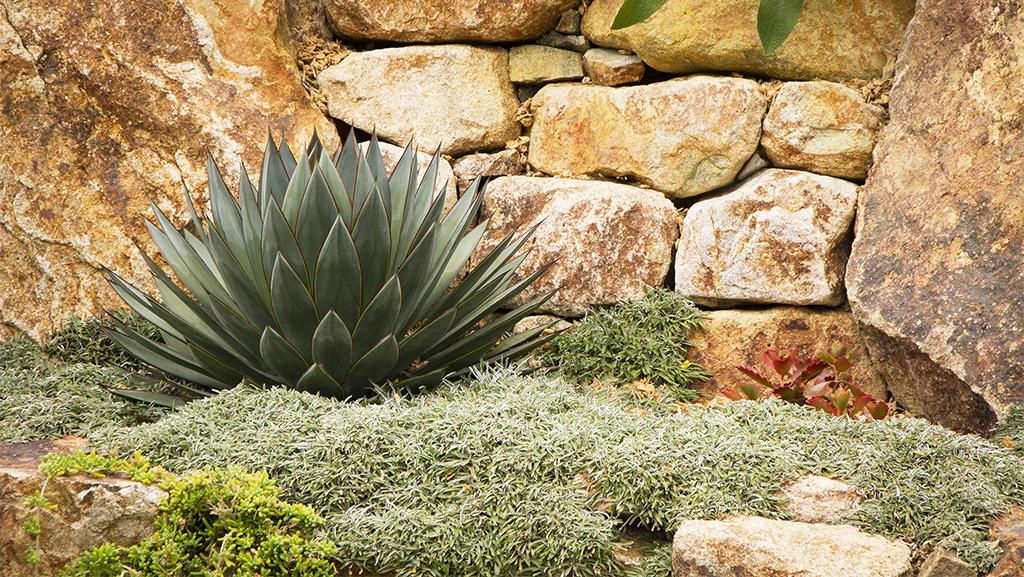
(814, 499)
(1008, 531)
(535, 64)
(739, 337)
(831, 41)
(509, 162)
(823, 127)
(936, 270)
(445, 20)
(537, 321)
(682, 137)
(613, 68)
(778, 237)
(108, 107)
(756, 547)
(570, 22)
(454, 95)
(88, 511)
(446, 182)
(613, 242)
(945, 563)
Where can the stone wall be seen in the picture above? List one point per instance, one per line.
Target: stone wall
(671, 154)
(645, 162)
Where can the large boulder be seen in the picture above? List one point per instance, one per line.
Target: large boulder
(740, 337)
(756, 547)
(88, 511)
(612, 242)
(831, 41)
(780, 237)
(108, 107)
(682, 137)
(456, 96)
(936, 272)
(822, 127)
(444, 20)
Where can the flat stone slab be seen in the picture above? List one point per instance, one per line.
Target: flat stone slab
(757, 547)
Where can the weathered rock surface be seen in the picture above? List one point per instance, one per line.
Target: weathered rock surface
(89, 512)
(307, 21)
(738, 337)
(509, 162)
(756, 163)
(830, 41)
(446, 181)
(823, 127)
(779, 237)
(535, 64)
(944, 563)
(936, 268)
(682, 137)
(107, 107)
(570, 22)
(444, 20)
(454, 95)
(537, 321)
(1008, 531)
(814, 499)
(612, 68)
(612, 242)
(756, 547)
(574, 42)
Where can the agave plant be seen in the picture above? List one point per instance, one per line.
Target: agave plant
(332, 276)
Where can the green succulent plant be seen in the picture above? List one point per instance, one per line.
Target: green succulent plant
(332, 276)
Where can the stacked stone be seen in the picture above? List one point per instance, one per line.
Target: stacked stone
(766, 176)
(659, 147)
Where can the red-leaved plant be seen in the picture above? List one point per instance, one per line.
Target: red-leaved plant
(822, 381)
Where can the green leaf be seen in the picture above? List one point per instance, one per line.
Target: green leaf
(635, 11)
(293, 308)
(278, 238)
(375, 160)
(425, 339)
(316, 216)
(332, 346)
(317, 380)
(273, 176)
(372, 238)
(402, 183)
(287, 158)
(162, 357)
(374, 368)
(281, 356)
(775, 21)
(379, 317)
(427, 380)
(337, 282)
